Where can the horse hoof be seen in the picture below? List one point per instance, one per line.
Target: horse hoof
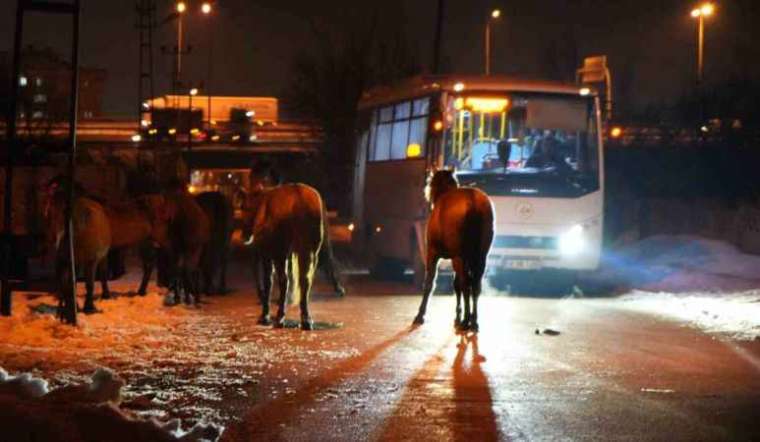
(418, 320)
(264, 320)
(341, 292)
(106, 296)
(307, 325)
(141, 293)
(89, 310)
(473, 327)
(279, 322)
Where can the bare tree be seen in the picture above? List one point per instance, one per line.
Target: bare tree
(328, 80)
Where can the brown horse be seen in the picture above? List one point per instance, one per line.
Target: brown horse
(221, 218)
(286, 223)
(460, 228)
(131, 226)
(182, 231)
(92, 239)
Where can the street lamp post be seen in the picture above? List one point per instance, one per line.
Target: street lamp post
(699, 13)
(207, 9)
(181, 8)
(495, 14)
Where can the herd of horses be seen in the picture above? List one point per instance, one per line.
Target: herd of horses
(187, 239)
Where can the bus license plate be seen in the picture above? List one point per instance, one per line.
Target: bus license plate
(522, 264)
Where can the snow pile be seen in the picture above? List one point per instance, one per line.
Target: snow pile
(708, 283)
(23, 385)
(28, 411)
(736, 315)
(680, 263)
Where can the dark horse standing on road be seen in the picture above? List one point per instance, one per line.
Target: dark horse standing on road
(286, 226)
(182, 231)
(460, 228)
(215, 255)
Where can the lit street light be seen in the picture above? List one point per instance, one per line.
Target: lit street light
(705, 10)
(207, 9)
(700, 13)
(495, 14)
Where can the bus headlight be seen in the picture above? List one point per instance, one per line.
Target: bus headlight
(572, 242)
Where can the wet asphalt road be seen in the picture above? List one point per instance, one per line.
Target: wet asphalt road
(609, 374)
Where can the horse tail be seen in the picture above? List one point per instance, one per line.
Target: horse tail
(479, 227)
(306, 255)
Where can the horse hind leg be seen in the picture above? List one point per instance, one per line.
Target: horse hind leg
(262, 274)
(431, 271)
(89, 302)
(460, 287)
(103, 274)
(147, 256)
(307, 263)
(476, 284)
(280, 266)
(458, 291)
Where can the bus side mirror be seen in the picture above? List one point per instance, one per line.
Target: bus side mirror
(504, 149)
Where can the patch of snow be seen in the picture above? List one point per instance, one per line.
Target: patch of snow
(56, 409)
(736, 315)
(680, 263)
(23, 385)
(709, 284)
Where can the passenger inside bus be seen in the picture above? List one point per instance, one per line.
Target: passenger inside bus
(543, 135)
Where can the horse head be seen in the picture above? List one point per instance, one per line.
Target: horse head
(439, 182)
(160, 211)
(251, 206)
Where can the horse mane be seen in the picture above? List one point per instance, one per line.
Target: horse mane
(438, 183)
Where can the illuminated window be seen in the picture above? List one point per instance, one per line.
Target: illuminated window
(22, 81)
(393, 128)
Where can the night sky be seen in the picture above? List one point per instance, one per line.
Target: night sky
(650, 43)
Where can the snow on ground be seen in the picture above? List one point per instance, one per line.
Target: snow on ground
(202, 363)
(707, 283)
(88, 411)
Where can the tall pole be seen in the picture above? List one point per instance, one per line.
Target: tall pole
(69, 313)
(209, 72)
(488, 48)
(10, 139)
(700, 12)
(495, 14)
(700, 50)
(700, 68)
(437, 40)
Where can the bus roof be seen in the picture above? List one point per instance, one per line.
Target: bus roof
(426, 84)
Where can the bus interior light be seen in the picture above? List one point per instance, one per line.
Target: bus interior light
(413, 150)
(486, 104)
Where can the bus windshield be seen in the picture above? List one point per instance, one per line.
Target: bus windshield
(524, 143)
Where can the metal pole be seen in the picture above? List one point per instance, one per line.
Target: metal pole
(210, 70)
(700, 45)
(700, 70)
(69, 313)
(488, 47)
(10, 139)
(179, 47)
(437, 40)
